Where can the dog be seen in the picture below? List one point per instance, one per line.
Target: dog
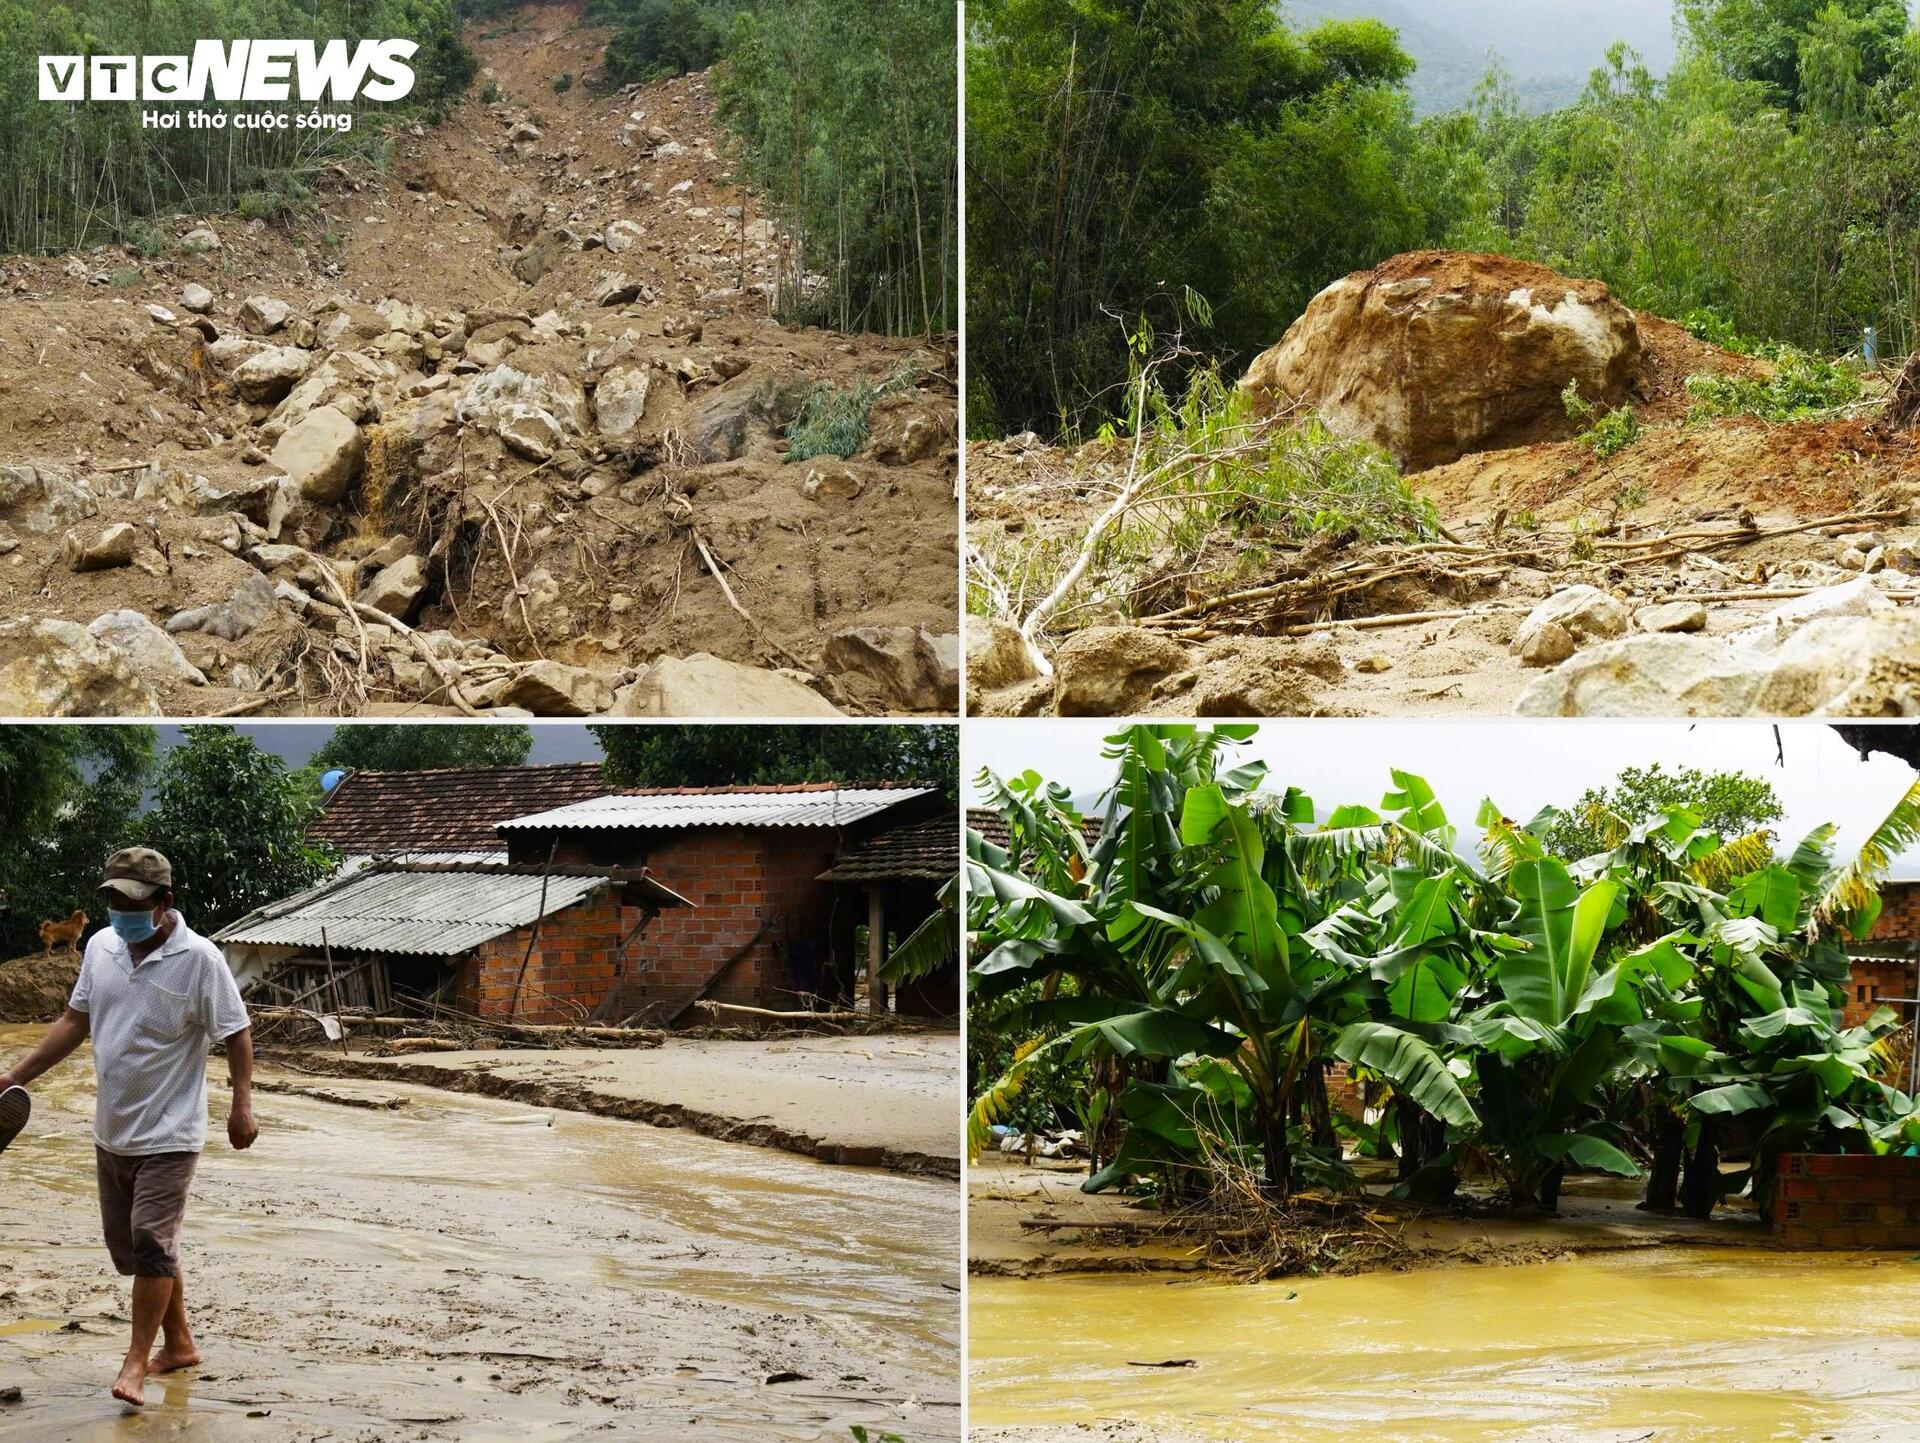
(70, 932)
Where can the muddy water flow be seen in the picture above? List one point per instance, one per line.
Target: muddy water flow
(474, 1269)
(1692, 1346)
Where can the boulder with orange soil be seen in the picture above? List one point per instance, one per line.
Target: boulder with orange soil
(1435, 354)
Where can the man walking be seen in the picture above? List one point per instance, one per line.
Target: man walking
(154, 995)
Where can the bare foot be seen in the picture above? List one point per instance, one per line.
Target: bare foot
(129, 1387)
(172, 1360)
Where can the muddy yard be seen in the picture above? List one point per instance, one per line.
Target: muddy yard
(393, 1260)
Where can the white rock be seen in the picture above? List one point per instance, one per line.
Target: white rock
(154, 654)
(263, 315)
(196, 298)
(323, 453)
(705, 686)
(65, 672)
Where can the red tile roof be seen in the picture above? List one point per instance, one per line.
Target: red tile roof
(929, 849)
(452, 809)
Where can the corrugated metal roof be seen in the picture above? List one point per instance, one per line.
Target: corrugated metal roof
(436, 914)
(833, 808)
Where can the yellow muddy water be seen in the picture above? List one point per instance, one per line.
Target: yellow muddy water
(1695, 1346)
(453, 1267)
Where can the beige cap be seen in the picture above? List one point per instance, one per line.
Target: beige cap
(138, 872)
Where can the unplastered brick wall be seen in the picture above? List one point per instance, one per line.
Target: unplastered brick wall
(1855, 1200)
(737, 878)
(570, 972)
(1876, 980)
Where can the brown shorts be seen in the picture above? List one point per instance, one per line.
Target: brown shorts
(142, 1203)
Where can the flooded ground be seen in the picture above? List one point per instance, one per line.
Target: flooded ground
(431, 1266)
(1673, 1346)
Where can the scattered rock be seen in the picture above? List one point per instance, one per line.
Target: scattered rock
(917, 670)
(154, 654)
(705, 686)
(620, 403)
(831, 483)
(272, 372)
(263, 315)
(1564, 621)
(997, 655)
(396, 589)
(1672, 616)
(551, 688)
(196, 298)
(40, 500)
(1835, 666)
(1110, 670)
(66, 672)
(323, 454)
(199, 240)
(251, 604)
(621, 237)
(113, 547)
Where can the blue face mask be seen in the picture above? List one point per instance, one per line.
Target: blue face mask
(132, 927)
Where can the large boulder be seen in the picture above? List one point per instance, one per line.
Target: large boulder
(915, 669)
(62, 671)
(42, 499)
(705, 686)
(323, 453)
(1435, 354)
(396, 589)
(552, 688)
(1835, 666)
(997, 655)
(155, 655)
(271, 372)
(1110, 670)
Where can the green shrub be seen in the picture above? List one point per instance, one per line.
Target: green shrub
(563, 82)
(833, 421)
(658, 38)
(145, 241)
(490, 94)
(1607, 433)
(1801, 386)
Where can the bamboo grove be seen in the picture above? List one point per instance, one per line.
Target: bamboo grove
(77, 174)
(1201, 954)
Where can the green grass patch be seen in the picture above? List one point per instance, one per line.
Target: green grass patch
(1607, 433)
(1802, 387)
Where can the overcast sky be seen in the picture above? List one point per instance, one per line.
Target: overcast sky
(1523, 766)
(295, 742)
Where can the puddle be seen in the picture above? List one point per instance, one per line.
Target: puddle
(1676, 1346)
(476, 1269)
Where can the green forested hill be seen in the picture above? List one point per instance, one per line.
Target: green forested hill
(1126, 159)
(73, 174)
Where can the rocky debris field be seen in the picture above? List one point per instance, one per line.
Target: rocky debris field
(503, 430)
(1710, 567)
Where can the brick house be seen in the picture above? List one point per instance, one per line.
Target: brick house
(1884, 963)
(767, 929)
(535, 893)
(897, 874)
(487, 939)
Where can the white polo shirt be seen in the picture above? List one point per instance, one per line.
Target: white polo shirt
(152, 1026)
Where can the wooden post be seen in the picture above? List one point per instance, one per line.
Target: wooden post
(876, 949)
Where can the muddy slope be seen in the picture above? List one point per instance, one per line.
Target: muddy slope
(521, 393)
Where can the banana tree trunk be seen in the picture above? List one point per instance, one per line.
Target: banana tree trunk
(1277, 1151)
(1663, 1173)
(1701, 1189)
(1319, 1107)
(1550, 1187)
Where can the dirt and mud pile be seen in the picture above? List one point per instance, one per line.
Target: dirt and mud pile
(1434, 354)
(36, 988)
(507, 429)
(1697, 564)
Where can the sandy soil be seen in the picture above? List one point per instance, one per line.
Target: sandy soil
(876, 1101)
(1032, 1220)
(587, 558)
(436, 1267)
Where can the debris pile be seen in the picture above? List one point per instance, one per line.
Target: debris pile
(504, 432)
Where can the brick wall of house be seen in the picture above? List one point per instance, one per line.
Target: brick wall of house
(1875, 979)
(1852, 1201)
(570, 972)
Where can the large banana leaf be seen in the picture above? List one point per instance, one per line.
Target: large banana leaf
(1411, 1065)
(1564, 926)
